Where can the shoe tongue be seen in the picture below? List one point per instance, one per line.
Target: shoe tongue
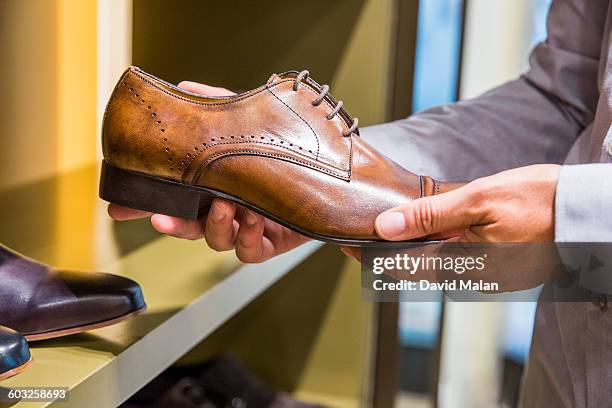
(294, 74)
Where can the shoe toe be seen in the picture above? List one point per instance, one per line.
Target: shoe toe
(102, 296)
(14, 350)
(71, 301)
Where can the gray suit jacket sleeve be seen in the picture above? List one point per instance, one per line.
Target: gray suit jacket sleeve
(534, 119)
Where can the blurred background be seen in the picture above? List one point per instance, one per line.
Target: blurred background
(384, 58)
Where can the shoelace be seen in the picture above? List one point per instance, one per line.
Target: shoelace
(322, 94)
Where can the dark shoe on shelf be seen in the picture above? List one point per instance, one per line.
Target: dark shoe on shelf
(220, 382)
(43, 302)
(14, 353)
(287, 150)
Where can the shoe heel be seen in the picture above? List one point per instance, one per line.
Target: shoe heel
(147, 193)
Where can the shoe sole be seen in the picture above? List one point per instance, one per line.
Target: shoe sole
(11, 373)
(161, 196)
(81, 329)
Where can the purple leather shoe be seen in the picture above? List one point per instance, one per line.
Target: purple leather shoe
(43, 302)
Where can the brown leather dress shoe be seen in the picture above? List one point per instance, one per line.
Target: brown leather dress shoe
(14, 353)
(287, 150)
(42, 302)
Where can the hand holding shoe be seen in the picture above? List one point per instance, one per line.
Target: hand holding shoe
(512, 206)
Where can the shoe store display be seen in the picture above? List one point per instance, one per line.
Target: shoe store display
(14, 353)
(287, 150)
(42, 302)
(306, 204)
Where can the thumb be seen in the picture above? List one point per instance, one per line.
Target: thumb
(429, 215)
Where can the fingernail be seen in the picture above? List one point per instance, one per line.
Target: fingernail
(391, 224)
(251, 218)
(217, 212)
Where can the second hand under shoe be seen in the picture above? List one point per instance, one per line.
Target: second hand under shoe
(287, 150)
(14, 353)
(41, 302)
